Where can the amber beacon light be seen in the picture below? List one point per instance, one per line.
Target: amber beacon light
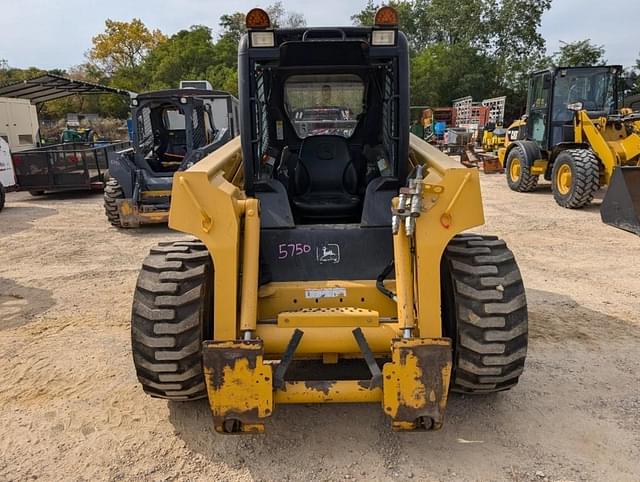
(257, 19)
(386, 17)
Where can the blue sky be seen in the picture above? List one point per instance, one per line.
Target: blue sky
(56, 33)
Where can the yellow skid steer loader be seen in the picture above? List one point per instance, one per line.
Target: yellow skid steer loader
(328, 263)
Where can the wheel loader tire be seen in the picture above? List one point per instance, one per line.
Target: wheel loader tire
(575, 178)
(2, 196)
(518, 171)
(484, 313)
(112, 192)
(171, 317)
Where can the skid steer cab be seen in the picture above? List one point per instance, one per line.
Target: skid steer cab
(172, 130)
(327, 264)
(576, 137)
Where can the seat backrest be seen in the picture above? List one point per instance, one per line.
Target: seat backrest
(324, 165)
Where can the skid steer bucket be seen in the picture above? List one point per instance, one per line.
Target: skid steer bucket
(621, 205)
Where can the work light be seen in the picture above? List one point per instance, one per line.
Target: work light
(383, 37)
(262, 39)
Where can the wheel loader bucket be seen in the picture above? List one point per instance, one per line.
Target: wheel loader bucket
(621, 205)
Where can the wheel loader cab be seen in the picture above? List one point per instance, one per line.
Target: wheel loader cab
(556, 94)
(325, 137)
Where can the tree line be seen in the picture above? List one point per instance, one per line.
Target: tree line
(482, 48)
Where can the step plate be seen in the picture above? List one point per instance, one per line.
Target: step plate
(316, 317)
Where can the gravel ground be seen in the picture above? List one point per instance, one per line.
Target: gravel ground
(71, 408)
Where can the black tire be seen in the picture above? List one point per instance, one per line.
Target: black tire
(525, 181)
(171, 317)
(36, 193)
(2, 196)
(112, 192)
(585, 178)
(484, 313)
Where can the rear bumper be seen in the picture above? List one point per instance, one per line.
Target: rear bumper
(244, 388)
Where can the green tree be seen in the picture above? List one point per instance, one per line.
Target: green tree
(224, 73)
(233, 27)
(444, 72)
(123, 45)
(10, 74)
(233, 24)
(184, 56)
(499, 39)
(579, 53)
(409, 17)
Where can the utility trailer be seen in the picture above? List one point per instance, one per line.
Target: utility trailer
(64, 167)
(59, 167)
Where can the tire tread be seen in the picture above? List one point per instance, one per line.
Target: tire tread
(112, 193)
(168, 320)
(491, 328)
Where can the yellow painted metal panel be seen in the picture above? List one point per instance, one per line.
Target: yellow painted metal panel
(239, 384)
(416, 382)
(432, 234)
(332, 391)
(274, 298)
(204, 203)
(342, 316)
(319, 340)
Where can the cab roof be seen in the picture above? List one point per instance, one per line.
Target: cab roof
(177, 93)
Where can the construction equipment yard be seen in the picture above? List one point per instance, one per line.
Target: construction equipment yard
(70, 402)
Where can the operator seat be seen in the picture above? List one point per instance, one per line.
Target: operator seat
(325, 179)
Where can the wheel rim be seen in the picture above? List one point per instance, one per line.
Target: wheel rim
(515, 169)
(564, 179)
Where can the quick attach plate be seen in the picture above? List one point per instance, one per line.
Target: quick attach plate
(239, 385)
(416, 383)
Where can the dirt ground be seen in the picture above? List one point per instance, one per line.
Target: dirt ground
(71, 407)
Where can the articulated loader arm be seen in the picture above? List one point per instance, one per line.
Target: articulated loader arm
(245, 382)
(616, 143)
(610, 141)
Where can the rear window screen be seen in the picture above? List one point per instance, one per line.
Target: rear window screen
(324, 104)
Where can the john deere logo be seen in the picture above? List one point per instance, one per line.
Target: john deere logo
(328, 253)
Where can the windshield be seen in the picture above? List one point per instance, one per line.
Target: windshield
(324, 104)
(593, 88)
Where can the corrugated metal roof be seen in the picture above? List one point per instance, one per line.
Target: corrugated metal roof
(49, 87)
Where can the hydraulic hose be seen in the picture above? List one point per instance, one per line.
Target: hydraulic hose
(380, 282)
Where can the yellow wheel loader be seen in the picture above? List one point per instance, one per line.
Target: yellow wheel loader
(328, 262)
(576, 137)
(493, 137)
